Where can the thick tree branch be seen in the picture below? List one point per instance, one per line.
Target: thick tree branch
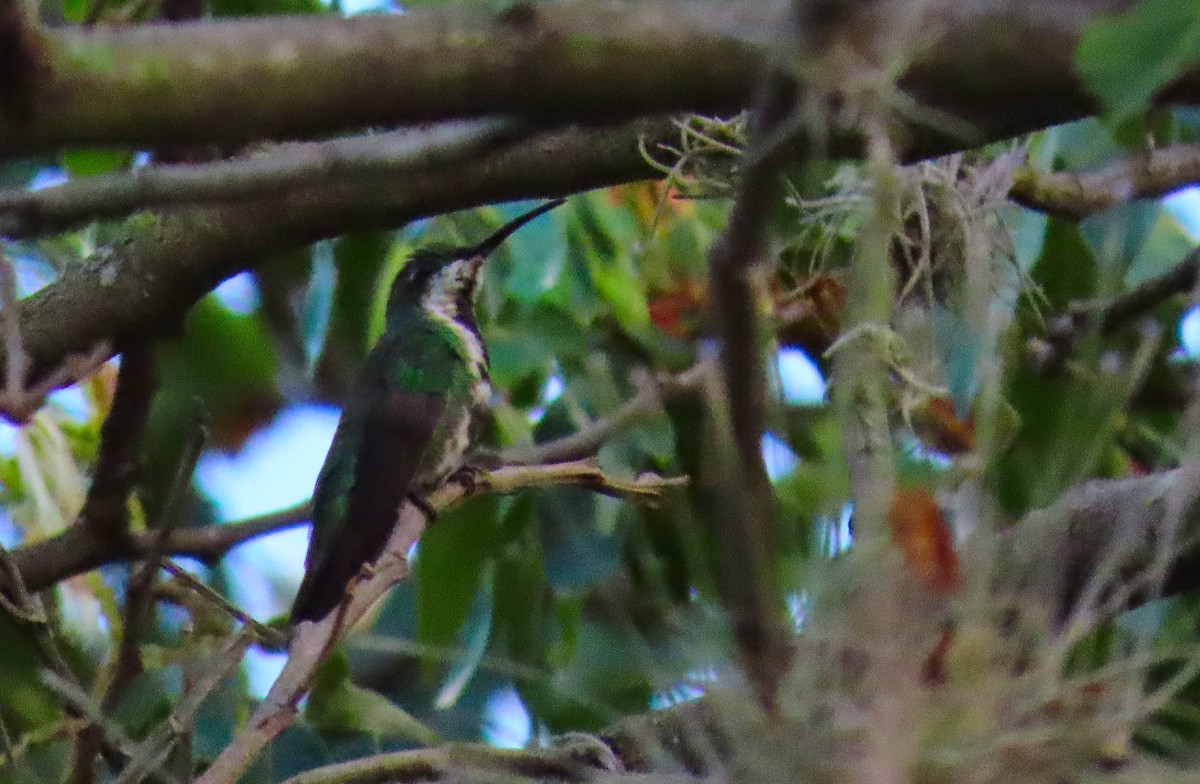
(212, 73)
(168, 261)
(238, 81)
(253, 79)
(20, 61)
(24, 213)
(142, 286)
(1143, 175)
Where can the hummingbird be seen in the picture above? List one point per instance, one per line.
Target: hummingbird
(408, 420)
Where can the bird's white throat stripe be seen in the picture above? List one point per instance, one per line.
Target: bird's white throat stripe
(446, 288)
(441, 302)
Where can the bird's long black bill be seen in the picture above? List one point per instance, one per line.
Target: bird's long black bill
(504, 232)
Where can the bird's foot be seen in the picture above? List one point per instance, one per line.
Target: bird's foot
(421, 503)
(483, 458)
(469, 477)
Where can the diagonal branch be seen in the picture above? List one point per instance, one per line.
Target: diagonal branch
(311, 641)
(588, 440)
(1107, 317)
(106, 507)
(106, 514)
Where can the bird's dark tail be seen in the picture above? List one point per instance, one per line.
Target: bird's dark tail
(327, 583)
(315, 599)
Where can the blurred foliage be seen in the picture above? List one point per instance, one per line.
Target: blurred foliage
(587, 608)
(1127, 58)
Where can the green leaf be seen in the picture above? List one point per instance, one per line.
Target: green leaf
(86, 163)
(513, 356)
(568, 613)
(1116, 235)
(1066, 269)
(1126, 58)
(337, 705)
(647, 446)
(610, 268)
(147, 701)
(478, 633)
(360, 259)
(520, 609)
(450, 568)
(225, 366)
(528, 342)
(1163, 249)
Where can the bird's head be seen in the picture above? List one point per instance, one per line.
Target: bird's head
(444, 279)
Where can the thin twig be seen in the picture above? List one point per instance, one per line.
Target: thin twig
(149, 756)
(26, 609)
(79, 703)
(1105, 318)
(442, 763)
(265, 634)
(138, 594)
(588, 440)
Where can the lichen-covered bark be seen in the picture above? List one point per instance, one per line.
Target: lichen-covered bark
(293, 77)
(1001, 68)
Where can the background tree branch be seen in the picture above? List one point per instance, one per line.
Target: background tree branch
(260, 174)
(1107, 317)
(238, 81)
(77, 549)
(144, 285)
(234, 82)
(749, 589)
(1142, 175)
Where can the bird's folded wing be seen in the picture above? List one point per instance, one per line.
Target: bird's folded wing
(396, 428)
